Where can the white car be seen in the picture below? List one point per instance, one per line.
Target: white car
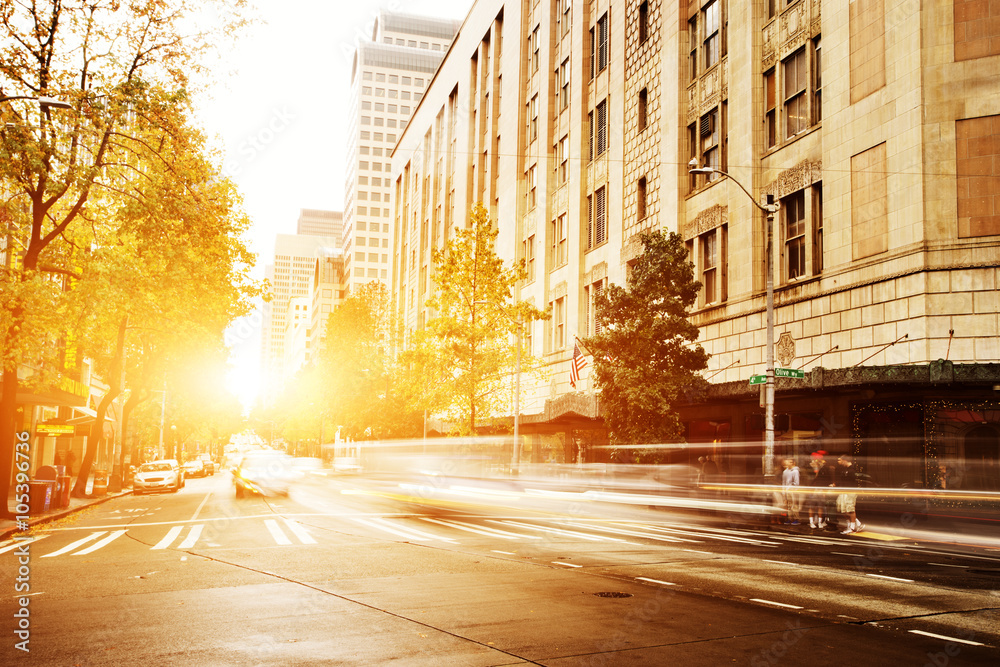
(165, 475)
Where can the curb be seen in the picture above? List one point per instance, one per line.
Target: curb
(6, 534)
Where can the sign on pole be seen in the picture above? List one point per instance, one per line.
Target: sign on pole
(758, 379)
(789, 373)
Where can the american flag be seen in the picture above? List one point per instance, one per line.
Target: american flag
(576, 364)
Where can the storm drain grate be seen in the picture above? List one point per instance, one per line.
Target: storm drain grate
(613, 594)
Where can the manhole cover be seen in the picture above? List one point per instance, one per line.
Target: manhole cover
(613, 594)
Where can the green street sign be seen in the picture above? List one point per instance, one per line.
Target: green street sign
(789, 373)
(758, 379)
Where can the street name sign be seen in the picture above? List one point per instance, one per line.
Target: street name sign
(758, 379)
(789, 373)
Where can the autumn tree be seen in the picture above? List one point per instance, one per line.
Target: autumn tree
(466, 354)
(125, 71)
(644, 360)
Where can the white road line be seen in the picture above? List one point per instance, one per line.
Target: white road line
(568, 533)
(408, 533)
(415, 531)
(946, 638)
(779, 562)
(841, 553)
(198, 511)
(479, 531)
(557, 562)
(882, 576)
(777, 604)
(655, 581)
(276, 533)
(300, 532)
(20, 543)
(103, 543)
(695, 551)
(716, 536)
(620, 531)
(169, 538)
(964, 567)
(192, 537)
(509, 553)
(78, 543)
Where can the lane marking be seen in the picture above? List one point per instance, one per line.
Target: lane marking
(717, 536)
(20, 543)
(557, 562)
(169, 537)
(75, 545)
(407, 533)
(198, 511)
(695, 551)
(655, 581)
(509, 553)
(620, 531)
(192, 537)
(780, 562)
(279, 537)
(300, 532)
(841, 553)
(777, 604)
(947, 638)
(882, 576)
(946, 565)
(103, 543)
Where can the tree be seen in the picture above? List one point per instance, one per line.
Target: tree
(644, 363)
(467, 351)
(125, 71)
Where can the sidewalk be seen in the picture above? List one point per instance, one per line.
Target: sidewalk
(9, 527)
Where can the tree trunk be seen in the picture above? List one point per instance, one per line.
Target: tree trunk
(8, 411)
(97, 430)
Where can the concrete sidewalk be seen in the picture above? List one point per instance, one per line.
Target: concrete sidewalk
(9, 527)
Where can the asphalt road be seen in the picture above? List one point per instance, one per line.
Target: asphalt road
(357, 571)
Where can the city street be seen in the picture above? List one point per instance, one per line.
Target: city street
(353, 570)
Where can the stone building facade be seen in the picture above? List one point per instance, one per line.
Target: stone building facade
(875, 124)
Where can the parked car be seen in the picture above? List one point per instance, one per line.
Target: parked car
(264, 472)
(194, 468)
(165, 475)
(208, 463)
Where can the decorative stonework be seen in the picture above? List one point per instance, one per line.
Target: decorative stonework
(577, 403)
(707, 220)
(557, 291)
(798, 177)
(631, 249)
(599, 272)
(785, 348)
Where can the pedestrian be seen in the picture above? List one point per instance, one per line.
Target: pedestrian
(821, 478)
(70, 461)
(790, 481)
(845, 478)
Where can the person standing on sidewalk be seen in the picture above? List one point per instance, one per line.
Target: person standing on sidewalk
(822, 477)
(790, 487)
(846, 502)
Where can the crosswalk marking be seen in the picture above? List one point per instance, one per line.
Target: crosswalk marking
(17, 544)
(169, 538)
(632, 533)
(75, 545)
(408, 533)
(103, 543)
(699, 533)
(192, 537)
(275, 531)
(558, 531)
(300, 532)
(482, 530)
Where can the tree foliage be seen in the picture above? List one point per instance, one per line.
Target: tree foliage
(465, 356)
(644, 360)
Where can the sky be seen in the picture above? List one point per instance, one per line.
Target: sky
(277, 111)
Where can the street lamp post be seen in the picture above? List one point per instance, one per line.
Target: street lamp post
(769, 208)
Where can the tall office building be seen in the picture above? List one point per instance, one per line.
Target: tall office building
(869, 122)
(389, 77)
(291, 276)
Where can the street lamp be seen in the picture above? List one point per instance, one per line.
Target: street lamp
(769, 208)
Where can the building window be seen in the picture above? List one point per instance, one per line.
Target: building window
(796, 103)
(977, 146)
(693, 47)
(529, 257)
(643, 22)
(817, 217)
(600, 138)
(532, 191)
(770, 110)
(597, 227)
(559, 248)
(643, 100)
(708, 144)
(817, 74)
(710, 265)
(793, 209)
(559, 324)
(591, 293)
(533, 113)
(564, 85)
(562, 155)
(640, 199)
(602, 42)
(534, 49)
(710, 46)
